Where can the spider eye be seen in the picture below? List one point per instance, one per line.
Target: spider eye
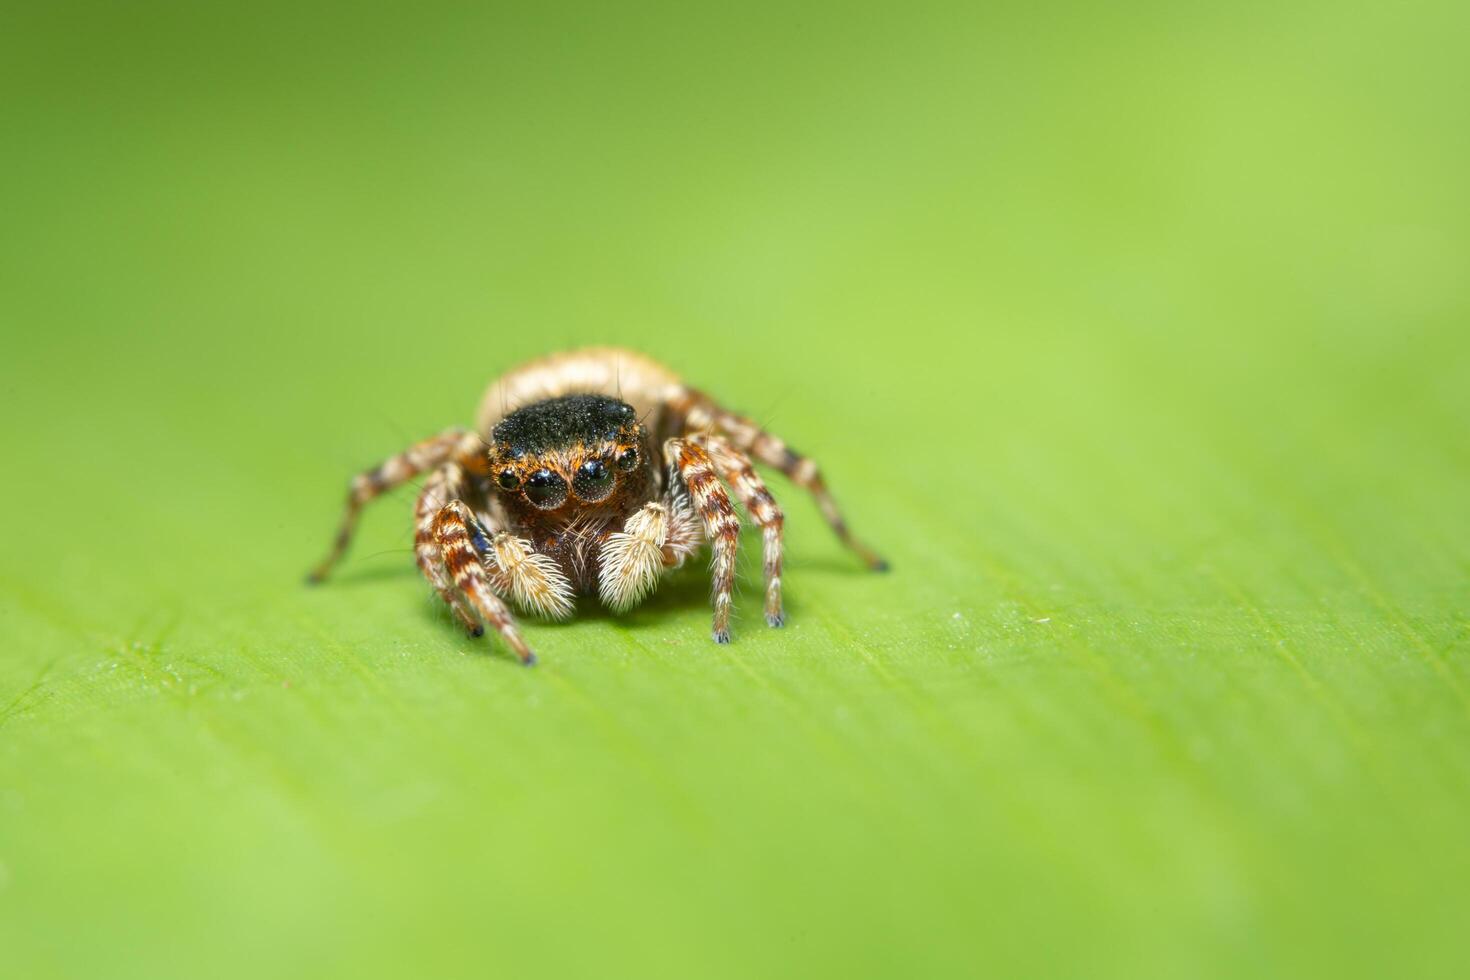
(546, 490)
(628, 459)
(508, 480)
(593, 481)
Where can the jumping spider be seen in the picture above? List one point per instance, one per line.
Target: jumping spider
(573, 491)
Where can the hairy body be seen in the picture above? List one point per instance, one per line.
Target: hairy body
(591, 472)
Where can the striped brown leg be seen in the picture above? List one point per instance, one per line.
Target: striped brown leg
(736, 469)
(443, 485)
(702, 413)
(394, 472)
(454, 529)
(514, 570)
(721, 525)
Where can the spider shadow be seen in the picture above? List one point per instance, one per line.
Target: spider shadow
(688, 588)
(678, 592)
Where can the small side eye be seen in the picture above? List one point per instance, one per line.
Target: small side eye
(508, 480)
(627, 459)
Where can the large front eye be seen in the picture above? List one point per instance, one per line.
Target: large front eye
(546, 490)
(593, 481)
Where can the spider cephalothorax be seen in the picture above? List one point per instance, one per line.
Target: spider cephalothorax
(569, 471)
(575, 491)
(576, 449)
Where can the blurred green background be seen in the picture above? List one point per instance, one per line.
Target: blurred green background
(1135, 335)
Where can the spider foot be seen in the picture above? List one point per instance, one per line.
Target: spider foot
(866, 555)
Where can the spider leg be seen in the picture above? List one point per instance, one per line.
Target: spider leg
(721, 525)
(512, 567)
(703, 414)
(443, 485)
(736, 469)
(454, 529)
(394, 472)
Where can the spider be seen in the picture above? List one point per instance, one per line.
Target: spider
(592, 471)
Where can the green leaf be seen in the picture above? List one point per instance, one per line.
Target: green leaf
(1135, 337)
